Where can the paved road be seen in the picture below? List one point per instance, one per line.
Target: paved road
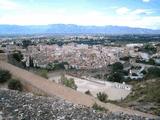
(52, 89)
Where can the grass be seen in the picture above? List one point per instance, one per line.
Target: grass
(41, 72)
(99, 108)
(145, 93)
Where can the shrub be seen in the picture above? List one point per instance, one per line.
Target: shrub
(4, 76)
(126, 58)
(3, 46)
(153, 72)
(98, 107)
(26, 43)
(17, 56)
(1, 51)
(43, 73)
(15, 85)
(134, 74)
(102, 97)
(144, 72)
(88, 92)
(125, 72)
(117, 66)
(149, 48)
(151, 61)
(116, 77)
(56, 65)
(68, 82)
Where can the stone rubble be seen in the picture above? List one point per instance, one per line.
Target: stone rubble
(16, 105)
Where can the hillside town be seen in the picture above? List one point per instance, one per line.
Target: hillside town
(79, 59)
(109, 69)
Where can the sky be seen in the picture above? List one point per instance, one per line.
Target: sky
(132, 13)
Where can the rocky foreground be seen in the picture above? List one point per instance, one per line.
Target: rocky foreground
(15, 105)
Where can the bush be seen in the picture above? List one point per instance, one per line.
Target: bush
(151, 61)
(43, 73)
(4, 76)
(15, 85)
(98, 107)
(1, 51)
(134, 74)
(17, 56)
(16, 59)
(153, 72)
(26, 43)
(56, 66)
(125, 72)
(116, 77)
(126, 58)
(144, 72)
(117, 66)
(68, 82)
(88, 92)
(102, 97)
(149, 48)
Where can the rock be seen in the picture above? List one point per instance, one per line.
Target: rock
(25, 106)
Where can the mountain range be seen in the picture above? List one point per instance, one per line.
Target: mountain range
(73, 29)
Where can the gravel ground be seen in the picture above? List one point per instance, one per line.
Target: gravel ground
(16, 105)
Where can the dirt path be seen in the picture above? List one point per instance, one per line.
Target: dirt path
(63, 92)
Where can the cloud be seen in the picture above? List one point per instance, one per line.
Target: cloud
(141, 12)
(146, 0)
(9, 5)
(122, 11)
(88, 18)
(37, 16)
(127, 11)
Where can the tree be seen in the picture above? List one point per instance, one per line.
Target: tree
(15, 85)
(50, 66)
(17, 56)
(56, 65)
(116, 77)
(102, 96)
(149, 48)
(16, 59)
(153, 72)
(4, 76)
(151, 61)
(117, 67)
(125, 58)
(31, 64)
(26, 43)
(1, 51)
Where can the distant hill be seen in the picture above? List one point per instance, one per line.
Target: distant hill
(73, 29)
